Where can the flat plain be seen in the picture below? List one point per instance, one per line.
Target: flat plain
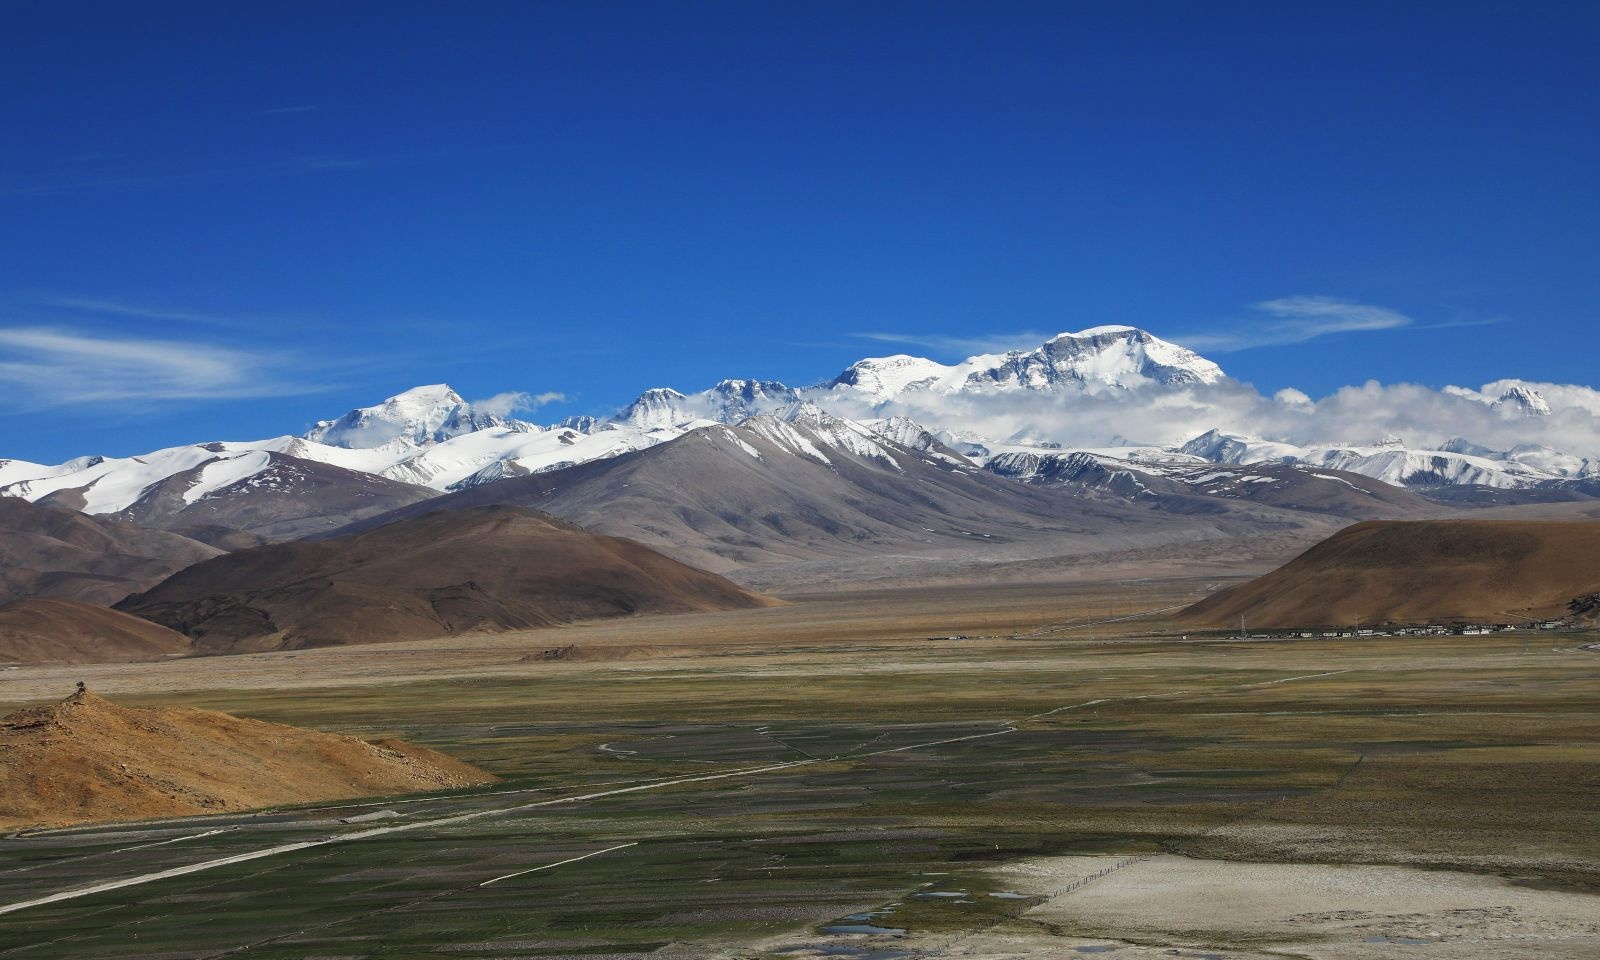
(995, 771)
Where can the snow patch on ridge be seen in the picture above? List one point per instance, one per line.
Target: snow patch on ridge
(224, 472)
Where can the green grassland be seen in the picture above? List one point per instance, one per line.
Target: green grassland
(1473, 753)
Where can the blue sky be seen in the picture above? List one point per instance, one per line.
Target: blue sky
(228, 220)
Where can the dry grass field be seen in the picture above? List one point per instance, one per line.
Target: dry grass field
(857, 775)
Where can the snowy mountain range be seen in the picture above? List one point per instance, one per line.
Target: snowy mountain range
(1457, 463)
(1100, 358)
(992, 409)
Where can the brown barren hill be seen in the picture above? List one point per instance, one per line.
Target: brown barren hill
(87, 759)
(1418, 572)
(48, 630)
(486, 569)
(55, 551)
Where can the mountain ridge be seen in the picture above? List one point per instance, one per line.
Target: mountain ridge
(55, 551)
(781, 502)
(430, 436)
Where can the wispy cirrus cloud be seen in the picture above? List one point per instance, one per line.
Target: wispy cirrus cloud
(1278, 322)
(1298, 319)
(961, 346)
(122, 308)
(44, 367)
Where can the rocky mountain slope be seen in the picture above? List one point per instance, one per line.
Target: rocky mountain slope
(812, 497)
(276, 497)
(1167, 477)
(53, 551)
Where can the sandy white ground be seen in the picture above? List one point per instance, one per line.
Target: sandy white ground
(1169, 906)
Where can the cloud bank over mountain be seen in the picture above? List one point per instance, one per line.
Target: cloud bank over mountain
(1364, 413)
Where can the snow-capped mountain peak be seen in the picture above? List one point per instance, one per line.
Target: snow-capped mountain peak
(1524, 401)
(729, 401)
(418, 417)
(1116, 357)
(807, 430)
(889, 376)
(426, 396)
(808, 414)
(656, 408)
(1102, 330)
(751, 389)
(1112, 357)
(1512, 398)
(733, 400)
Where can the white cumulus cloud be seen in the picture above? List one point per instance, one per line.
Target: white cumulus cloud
(505, 404)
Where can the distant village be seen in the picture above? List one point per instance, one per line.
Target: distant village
(1432, 630)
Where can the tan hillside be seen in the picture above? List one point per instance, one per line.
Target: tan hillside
(1420, 572)
(88, 759)
(482, 570)
(48, 630)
